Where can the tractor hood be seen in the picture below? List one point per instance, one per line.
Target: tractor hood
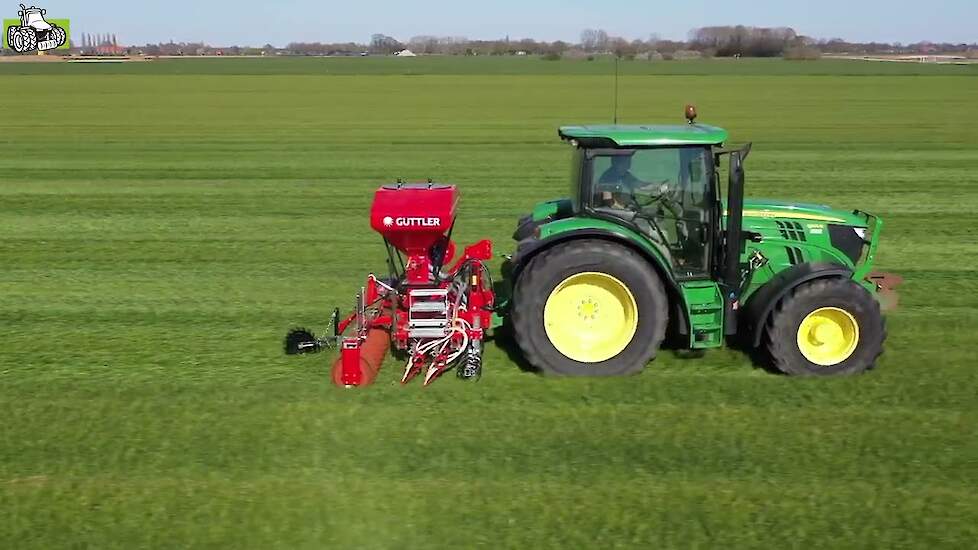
(767, 208)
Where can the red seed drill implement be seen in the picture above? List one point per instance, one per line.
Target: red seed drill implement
(433, 305)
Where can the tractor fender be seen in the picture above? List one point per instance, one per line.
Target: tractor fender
(759, 306)
(527, 249)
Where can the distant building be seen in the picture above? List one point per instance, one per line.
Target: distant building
(101, 44)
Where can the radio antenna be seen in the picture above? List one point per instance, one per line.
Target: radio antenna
(616, 89)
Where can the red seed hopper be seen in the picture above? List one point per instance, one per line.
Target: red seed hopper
(432, 305)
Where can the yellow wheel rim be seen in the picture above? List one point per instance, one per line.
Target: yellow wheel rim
(828, 336)
(590, 317)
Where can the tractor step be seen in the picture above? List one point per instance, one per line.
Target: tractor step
(704, 305)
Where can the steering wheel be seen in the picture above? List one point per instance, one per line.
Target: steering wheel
(667, 197)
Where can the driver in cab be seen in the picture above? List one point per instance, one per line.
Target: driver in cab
(620, 189)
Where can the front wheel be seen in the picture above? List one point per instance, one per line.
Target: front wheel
(826, 327)
(58, 35)
(24, 40)
(589, 308)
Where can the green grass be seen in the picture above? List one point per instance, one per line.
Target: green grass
(485, 65)
(160, 232)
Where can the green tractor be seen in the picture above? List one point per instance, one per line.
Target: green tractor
(648, 244)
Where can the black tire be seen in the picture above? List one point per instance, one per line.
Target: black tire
(781, 330)
(24, 40)
(10, 36)
(58, 35)
(551, 267)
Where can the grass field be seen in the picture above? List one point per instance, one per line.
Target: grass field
(488, 65)
(162, 225)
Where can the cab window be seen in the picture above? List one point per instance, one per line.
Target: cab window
(666, 192)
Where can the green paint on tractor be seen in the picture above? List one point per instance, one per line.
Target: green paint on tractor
(646, 135)
(648, 216)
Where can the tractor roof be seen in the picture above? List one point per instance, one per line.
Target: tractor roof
(647, 135)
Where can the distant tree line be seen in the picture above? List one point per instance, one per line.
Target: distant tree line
(724, 41)
(197, 48)
(743, 41)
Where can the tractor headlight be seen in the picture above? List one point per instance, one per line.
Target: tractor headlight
(861, 231)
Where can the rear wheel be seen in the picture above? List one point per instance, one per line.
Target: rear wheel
(24, 40)
(826, 327)
(589, 308)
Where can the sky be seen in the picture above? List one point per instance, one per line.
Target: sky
(227, 22)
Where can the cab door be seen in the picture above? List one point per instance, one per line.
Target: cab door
(668, 193)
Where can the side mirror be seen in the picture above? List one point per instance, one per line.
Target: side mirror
(745, 150)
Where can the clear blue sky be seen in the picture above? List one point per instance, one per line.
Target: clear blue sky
(224, 22)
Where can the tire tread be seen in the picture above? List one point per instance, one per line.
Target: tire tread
(526, 302)
(780, 348)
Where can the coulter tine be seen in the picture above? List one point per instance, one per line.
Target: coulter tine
(431, 375)
(410, 372)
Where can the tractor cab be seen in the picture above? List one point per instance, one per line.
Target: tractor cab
(659, 180)
(665, 192)
(34, 17)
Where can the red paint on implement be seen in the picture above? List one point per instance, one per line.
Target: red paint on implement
(434, 306)
(360, 366)
(413, 217)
